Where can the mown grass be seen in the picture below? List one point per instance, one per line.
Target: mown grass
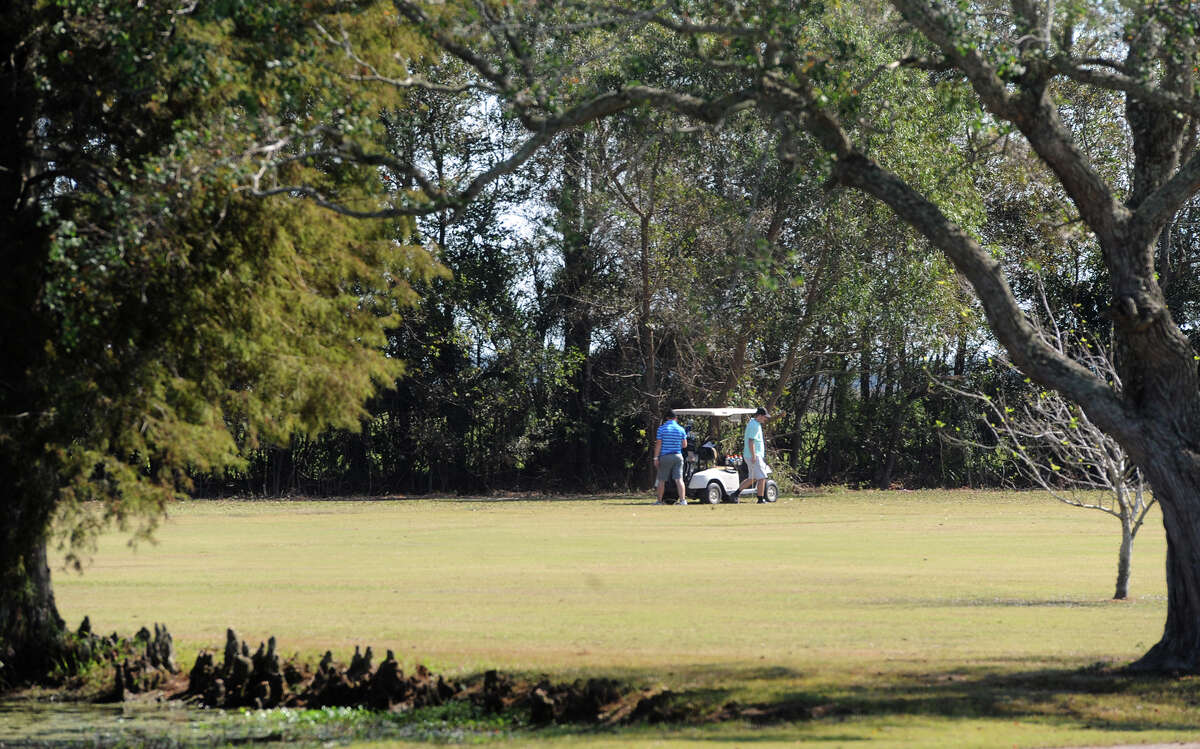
(904, 618)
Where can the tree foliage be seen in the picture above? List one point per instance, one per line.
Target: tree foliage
(158, 318)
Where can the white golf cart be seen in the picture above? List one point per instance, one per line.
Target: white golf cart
(707, 473)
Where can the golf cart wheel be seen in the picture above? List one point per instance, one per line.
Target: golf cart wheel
(772, 492)
(714, 493)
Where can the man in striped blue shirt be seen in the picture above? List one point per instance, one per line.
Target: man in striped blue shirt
(669, 443)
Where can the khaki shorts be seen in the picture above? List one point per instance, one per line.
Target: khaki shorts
(670, 467)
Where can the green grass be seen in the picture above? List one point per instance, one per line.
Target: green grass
(905, 618)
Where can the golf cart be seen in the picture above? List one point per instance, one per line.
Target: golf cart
(707, 474)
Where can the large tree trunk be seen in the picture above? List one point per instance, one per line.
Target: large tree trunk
(33, 638)
(1161, 384)
(1178, 490)
(31, 632)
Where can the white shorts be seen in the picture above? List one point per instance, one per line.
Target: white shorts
(758, 469)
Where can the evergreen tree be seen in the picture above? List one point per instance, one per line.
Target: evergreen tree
(158, 317)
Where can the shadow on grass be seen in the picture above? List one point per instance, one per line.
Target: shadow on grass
(918, 709)
(1099, 697)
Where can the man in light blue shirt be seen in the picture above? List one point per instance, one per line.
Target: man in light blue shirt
(669, 443)
(754, 450)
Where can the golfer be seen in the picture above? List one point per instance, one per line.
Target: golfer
(754, 453)
(668, 457)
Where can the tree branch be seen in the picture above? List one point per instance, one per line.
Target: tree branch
(1030, 109)
(375, 76)
(1041, 362)
(1160, 206)
(1119, 81)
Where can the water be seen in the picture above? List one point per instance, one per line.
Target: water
(29, 723)
(74, 725)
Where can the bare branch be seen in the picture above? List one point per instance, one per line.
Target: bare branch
(1053, 444)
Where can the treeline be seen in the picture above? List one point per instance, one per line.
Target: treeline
(640, 264)
(888, 440)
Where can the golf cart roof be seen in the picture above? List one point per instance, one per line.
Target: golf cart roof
(719, 412)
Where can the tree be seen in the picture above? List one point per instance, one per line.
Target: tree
(1055, 446)
(823, 73)
(1012, 75)
(157, 317)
